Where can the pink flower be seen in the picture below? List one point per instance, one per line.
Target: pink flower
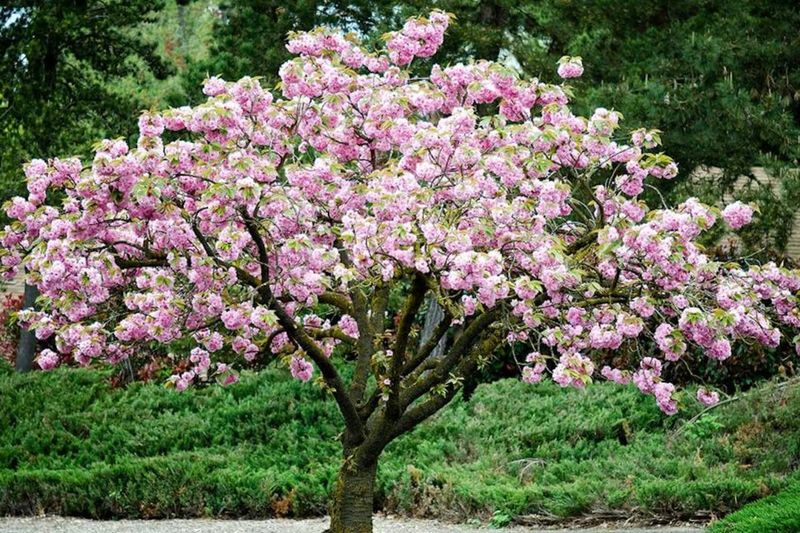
(648, 375)
(234, 318)
(720, 349)
(301, 369)
(214, 86)
(706, 397)
(349, 326)
(616, 375)
(533, 374)
(642, 307)
(214, 342)
(663, 393)
(151, 125)
(200, 358)
(573, 370)
(47, 359)
(670, 342)
(737, 215)
(183, 380)
(570, 67)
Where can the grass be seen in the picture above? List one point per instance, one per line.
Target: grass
(70, 444)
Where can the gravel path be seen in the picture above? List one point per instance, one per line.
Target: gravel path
(317, 525)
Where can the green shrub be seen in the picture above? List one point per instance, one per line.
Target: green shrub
(71, 444)
(779, 513)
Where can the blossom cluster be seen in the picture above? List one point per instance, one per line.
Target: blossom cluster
(226, 216)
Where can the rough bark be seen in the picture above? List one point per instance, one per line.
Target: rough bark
(353, 498)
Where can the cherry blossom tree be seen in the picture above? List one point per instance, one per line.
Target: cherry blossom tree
(316, 228)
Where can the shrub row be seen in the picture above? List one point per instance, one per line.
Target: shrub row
(70, 444)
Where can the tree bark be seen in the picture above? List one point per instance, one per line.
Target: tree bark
(26, 349)
(353, 498)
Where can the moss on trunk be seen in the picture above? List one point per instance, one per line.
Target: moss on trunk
(352, 504)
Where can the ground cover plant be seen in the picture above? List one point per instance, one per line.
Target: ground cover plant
(71, 444)
(322, 227)
(780, 512)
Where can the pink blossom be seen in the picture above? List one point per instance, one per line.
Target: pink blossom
(214, 86)
(737, 214)
(665, 400)
(573, 370)
(648, 375)
(533, 374)
(214, 342)
(570, 67)
(151, 125)
(301, 369)
(720, 349)
(642, 307)
(349, 326)
(234, 318)
(616, 375)
(47, 359)
(706, 397)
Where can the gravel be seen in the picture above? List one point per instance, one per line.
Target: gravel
(317, 525)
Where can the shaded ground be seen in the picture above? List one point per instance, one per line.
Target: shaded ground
(382, 525)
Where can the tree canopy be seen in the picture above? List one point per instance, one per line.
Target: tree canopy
(720, 78)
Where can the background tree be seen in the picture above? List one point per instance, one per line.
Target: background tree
(312, 228)
(59, 62)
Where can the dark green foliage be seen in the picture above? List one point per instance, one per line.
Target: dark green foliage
(79, 448)
(267, 446)
(59, 63)
(250, 38)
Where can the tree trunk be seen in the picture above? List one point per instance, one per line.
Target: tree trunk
(26, 349)
(434, 315)
(351, 508)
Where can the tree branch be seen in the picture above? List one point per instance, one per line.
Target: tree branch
(332, 333)
(263, 256)
(370, 324)
(407, 316)
(419, 413)
(382, 431)
(430, 345)
(299, 335)
(461, 346)
(365, 346)
(242, 274)
(337, 300)
(140, 263)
